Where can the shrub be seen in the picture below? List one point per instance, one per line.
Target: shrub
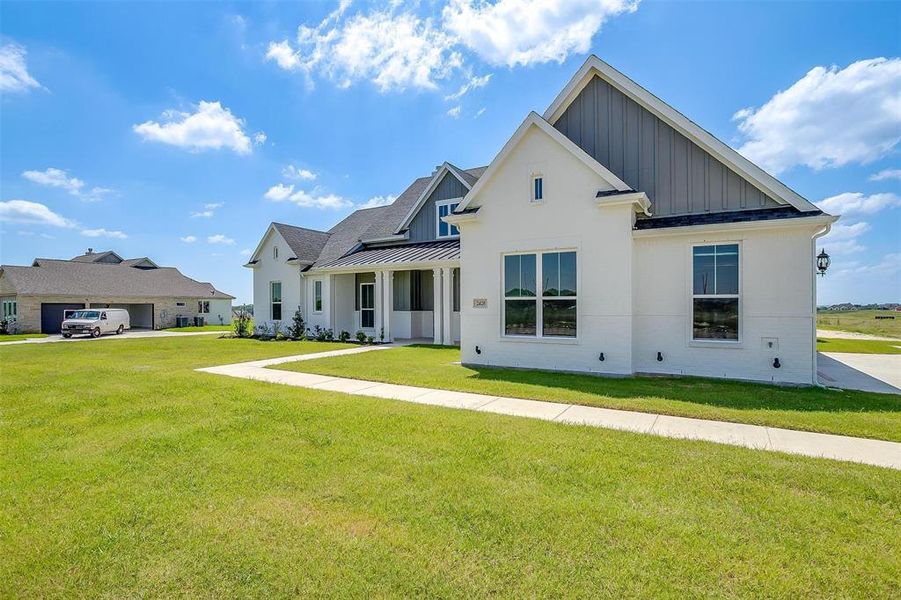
(242, 325)
(361, 337)
(298, 328)
(344, 336)
(266, 330)
(382, 334)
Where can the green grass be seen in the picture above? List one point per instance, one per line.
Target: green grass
(858, 346)
(812, 409)
(14, 337)
(204, 328)
(861, 321)
(123, 473)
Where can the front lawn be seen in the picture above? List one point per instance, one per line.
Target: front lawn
(124, 473)
(15, 337)
(812, 409)
(858, 346)
(203, 328)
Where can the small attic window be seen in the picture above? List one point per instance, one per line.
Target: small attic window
(537, 188)
(275, 253)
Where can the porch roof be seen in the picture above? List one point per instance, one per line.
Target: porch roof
(406, 254)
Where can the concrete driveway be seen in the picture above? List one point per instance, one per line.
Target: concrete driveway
(128, 335)
(866, 372)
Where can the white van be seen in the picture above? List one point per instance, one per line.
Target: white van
(96, 321)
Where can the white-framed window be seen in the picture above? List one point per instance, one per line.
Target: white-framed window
(716, 299)
(317, 296)
(443, 209)
(537, 188)
(275, 253)
(275, 300)
(548, 310)
(203, 307)
(10, 310)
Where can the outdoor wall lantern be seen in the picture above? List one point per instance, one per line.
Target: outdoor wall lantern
(478, 350)
(660, 357)
(823, 263)
(776, 363)
(601, 357)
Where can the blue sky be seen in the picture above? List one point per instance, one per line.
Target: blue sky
(176, 130)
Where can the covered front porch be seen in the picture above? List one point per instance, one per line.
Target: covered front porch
(392, 294)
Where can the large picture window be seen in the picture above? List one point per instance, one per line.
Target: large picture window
(552, 313)
(443, 209)
(715, 294)
(275, 297)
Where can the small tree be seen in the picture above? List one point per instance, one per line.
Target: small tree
(298, 327)
(242, 325)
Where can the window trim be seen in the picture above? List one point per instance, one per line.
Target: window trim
(273, 303)
(539, 299)
(275, 252)
(10, 310)
(440, 203)
(700, 343)
(200, 307)
(533, 180)
(317, 283)
(373, 309)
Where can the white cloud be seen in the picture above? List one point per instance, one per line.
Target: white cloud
(292, 172)
(480, 112)
(377, 201)
(259, 138)
(246, 252)
(212, 126)
(829, 118)
(454, 112)
(188, 239)
(279, 192)
(472, 84)
(59, 178)
(118, 235)
(886, 174)
(316, 199)
(220, 239)
(526, 32)
(35, 213)
(14, 76)
(213, 205)
(856, 203)
(203, 214)
(393, 49)
(842, 239)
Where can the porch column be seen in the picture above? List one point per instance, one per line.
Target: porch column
(389, 304)
(379, 303)
(447, 304)
(436, 306)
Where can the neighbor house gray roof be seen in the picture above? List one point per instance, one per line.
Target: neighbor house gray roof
(91, 257)
(50, 277)
(405, 253)
(306, 244)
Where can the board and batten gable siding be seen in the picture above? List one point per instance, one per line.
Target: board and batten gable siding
(423, 226)
(678, 176)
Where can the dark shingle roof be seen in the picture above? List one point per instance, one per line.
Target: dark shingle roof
(364, 224)
(404, 253)
(93, 257)
(306, 244)
(737, 216)
(50, 277)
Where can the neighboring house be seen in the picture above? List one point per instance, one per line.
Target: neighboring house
(610, 235)
(37, 296)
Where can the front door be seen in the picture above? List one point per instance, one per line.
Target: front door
(367, 306)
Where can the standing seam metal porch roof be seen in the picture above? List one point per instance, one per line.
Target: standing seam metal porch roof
(443, 250)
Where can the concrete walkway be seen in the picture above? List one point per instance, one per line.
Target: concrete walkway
(866, 451)
(128, 335)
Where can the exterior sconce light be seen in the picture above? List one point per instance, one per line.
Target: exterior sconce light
(660, 357)
(601, 357)
(776, 363)
(823, 263)
(478, 350)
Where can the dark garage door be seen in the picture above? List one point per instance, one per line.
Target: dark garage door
(52, 315)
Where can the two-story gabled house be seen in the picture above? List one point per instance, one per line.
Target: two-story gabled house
(610, 235)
